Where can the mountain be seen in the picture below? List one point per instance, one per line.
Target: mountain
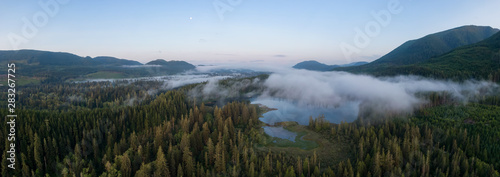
(436, 44)
(35, 57)
(477, 61)
(45, 66)
(317, 66)
(314, 65)
(178, 65)
(433, 45)
(46, 58)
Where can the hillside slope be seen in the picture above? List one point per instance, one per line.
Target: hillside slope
(425, 48)
(478, 61)
(36, 57)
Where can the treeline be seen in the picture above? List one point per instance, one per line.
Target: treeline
(87, 95)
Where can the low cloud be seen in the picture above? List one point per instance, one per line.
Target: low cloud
(335, 89)
(394, 94)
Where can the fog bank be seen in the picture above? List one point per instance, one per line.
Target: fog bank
(336, 89)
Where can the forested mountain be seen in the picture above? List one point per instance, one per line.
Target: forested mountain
(436, 44)
(179, 65)
(479, 61)
(421, 50)
(44, 66)
(36, 57)
(476, 61)
(317, 66)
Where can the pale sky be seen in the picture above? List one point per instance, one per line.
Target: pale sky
(237, 31)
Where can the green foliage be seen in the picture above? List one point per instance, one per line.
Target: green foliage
(170, 135)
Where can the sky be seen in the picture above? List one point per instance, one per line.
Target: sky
(253, 32)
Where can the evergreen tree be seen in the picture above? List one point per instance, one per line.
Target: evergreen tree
(161, 165)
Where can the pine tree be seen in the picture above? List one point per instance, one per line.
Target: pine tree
(251, 171)
(205, 132)
(126, 168)
(299, 165)
(38, 153)
(161, 165)
(77, 165)
(220, 164)
(290, 172)
(144, 170)
(210, 151)
(180, 171)
(376, 171)
(188, 161)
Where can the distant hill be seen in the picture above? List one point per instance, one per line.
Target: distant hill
(36, 57)
(317, 66)
(427, 47)
(177, 65)
(48, 66)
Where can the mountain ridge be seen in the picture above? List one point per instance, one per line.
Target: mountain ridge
(475, 61)
(47, 66)
(39, 57)
(314, 65)
(424, 48)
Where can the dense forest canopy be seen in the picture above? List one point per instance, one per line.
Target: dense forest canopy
(121, 129)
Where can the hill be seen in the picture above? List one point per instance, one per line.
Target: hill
(317, 66)
(421, 50)
(46, 66)
(36, 57)
(174, 65)
(478, 61)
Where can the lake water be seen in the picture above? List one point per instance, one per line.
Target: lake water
(280, 132)
(291, 111)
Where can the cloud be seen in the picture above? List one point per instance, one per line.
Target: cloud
(390, 94)
(279, 56)
(182, 80)
(226, 54)
(394, 95)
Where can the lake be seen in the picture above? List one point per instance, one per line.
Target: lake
(294, 111)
